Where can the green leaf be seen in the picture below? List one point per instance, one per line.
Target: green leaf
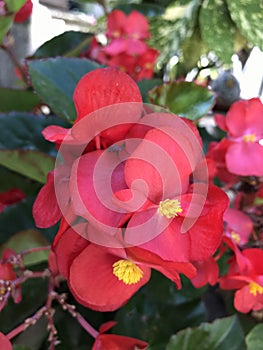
(158, 310)
(17, 100)
(55, 79)
(248, 16)
(222, 334)
(25, 240)
(183, 98)
(14, 5)
(254, 339)
(23, 131)
(146, 85)
(63, 44)
(19, 347)
(32, 164)
(5, 24)
(217, 28)
(148, 10)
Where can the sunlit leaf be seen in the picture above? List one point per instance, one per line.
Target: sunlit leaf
(183, 98)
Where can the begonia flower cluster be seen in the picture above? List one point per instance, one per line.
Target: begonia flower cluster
(126, 46)
(130, 188)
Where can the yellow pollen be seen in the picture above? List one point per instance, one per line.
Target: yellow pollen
(127, 272)
(148, 65)
(116, 34)
(255, 288)
(250, 138)
(235, 236)
(170, 208)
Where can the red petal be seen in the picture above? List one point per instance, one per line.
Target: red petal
(245, 158)
(137, 26)
(104, 87)
(116, 23)
(67, 247)
(46, 211)
(24, 13)
(5, 343)
(93, 283)
(118, 342)
(93, 178)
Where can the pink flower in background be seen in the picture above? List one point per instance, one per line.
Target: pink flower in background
(244, 126)
(239, 226)
(5, 343)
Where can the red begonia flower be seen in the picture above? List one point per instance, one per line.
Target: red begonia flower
(135, 25)
(247, 279)
(244, 127)
(239, 226)
(104, 87)
(207, 272)
(12, 196)
(24, 13)
(118, 342)
(145, 64)
(5, 343)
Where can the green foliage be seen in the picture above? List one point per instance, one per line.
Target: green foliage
(254, 339)
(217, 29)
(5, 24)
(14, 5)
(55, 79)
(17, 100)
(183, 98)
(25, 240)
(220, 335)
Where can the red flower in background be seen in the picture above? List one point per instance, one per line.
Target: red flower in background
(246, 275)
(118, 342)
(244, 126)
(5, 343)
(24, 13)
(12, 196)
(126, 48)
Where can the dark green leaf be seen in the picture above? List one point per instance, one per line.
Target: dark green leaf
(222, 334)
(217, 29)
(19, 347)
(146, 85)
(25, 240)
(32, 164)
(254, 339)
(55, 79)
(23, 131)
(63, 44)
(17, 100)
(183, 98)
(148, 10)
(248, 16)
(159, 310)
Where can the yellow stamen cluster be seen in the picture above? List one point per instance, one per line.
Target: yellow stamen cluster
(170, 208)
(255, 288)
(235, 236)
(127, 272)
(250, 138)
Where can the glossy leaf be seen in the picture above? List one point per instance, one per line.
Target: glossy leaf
(217, 29)
(63, 44)
(17, 100)
(248, 16)
(254, 339)
(225, 333)
(55, 79)
(183, 98)
(25, 240)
